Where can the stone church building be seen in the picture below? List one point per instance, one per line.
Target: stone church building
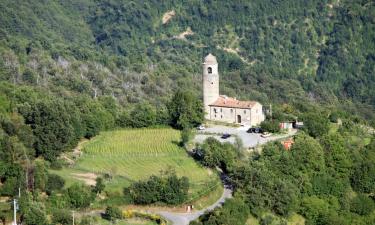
(222, 108)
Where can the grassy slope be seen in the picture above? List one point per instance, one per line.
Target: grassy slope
(132, 155)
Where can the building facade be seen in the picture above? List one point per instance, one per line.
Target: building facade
(222, 108)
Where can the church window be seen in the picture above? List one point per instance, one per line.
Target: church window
(215, 111)
(244, 112)
(231, 110)
(222, 116)
(209, 69)
(221, 110)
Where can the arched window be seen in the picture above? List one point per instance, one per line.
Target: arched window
(209, 69)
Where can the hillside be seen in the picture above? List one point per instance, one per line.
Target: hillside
(73, 70)
(272, 51)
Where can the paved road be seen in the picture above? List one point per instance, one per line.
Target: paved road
(249, 140)
(175, 218)
(186, 218)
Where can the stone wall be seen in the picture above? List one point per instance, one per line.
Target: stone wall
(249, 117)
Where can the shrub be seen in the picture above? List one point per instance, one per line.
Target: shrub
(362, 205)
(270, 126)
(168, 189)
(63, 217)
(54, 183)
(316, 124)
(79, 196)
(186, 136)
(34, 215)
(99, 186)
(112, 213)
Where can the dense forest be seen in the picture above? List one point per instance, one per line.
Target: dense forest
(272, 51)
(70, 69)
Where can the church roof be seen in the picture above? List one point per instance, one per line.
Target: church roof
(210, 59)
(224, 101)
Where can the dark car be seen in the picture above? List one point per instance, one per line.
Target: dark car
(256, 130)
(225, 136)
(251, 130)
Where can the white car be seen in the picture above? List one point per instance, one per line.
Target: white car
(201, 127)
(266, 134)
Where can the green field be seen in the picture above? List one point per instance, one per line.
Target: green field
(135, 154)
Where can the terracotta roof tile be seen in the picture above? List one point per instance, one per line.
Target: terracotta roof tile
(224, 101)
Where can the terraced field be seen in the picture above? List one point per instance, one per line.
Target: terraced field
(135, 154)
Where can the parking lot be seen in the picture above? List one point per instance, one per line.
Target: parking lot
(249, 140)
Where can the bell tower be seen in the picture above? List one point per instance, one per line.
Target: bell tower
(210, 83)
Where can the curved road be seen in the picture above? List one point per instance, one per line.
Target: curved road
(186, 218)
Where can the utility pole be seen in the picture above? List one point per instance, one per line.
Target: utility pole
(73, 217)
(14, 212)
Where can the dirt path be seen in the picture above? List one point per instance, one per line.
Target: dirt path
(167, 16)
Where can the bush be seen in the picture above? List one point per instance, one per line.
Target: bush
(167, 188)
(362, 205)
(333, 117)
(143, 115)
(186, 136)
(270, 126)
(316, 124)
(112, 213)
(62, 217)
(215, 154)
(54, 183)
(99, 186)
(34, 215)
(79, 196)
(185, 110)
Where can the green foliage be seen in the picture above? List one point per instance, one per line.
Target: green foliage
(54, 183)
(327, 185)
(314, 209)
(58, 201)
(40, 175)
(270, 126)
(186, 135)
(213, 153)
(80, 67)
(270, 219)
(316, 124)
(362, 205)
(112, 213)
(99, 185)
(63, 217)
(167, 188)
(186, 110)
(307, 155)
(143, 115)
(234, 211)
(79, 196)
(263, 190)
(34, 214)
(363, 177)
(53, 126)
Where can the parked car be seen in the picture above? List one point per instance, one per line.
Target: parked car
(265, 134)
(256, 130)
(225, 136)
(201, 127)
(251, 130)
